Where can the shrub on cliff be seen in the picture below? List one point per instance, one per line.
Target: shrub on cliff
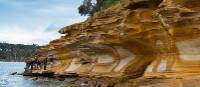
(89, 8)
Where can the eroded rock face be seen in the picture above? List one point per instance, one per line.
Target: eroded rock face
(122, 41)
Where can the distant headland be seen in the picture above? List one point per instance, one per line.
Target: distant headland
(16, 52)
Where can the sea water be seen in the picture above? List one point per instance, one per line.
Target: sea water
(7, 80)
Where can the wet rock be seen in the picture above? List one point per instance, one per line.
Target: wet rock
(71, 80)
(61, 79)
(27, 73)
(19, 73)
(34, 78)
(14, 73)
(47, 74)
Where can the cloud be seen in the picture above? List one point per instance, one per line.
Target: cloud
(36, 21)
(16, 34)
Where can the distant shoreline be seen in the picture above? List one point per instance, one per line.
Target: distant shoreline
(6, 60)
(11, 61)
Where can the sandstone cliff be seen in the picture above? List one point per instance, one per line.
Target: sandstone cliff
(130, 38)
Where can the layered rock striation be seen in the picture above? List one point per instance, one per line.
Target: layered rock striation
(127, 38)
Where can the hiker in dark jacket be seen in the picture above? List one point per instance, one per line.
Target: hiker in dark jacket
(38, 64)
(42, 62)
(45, 63)
(28, 63)
(33, 62)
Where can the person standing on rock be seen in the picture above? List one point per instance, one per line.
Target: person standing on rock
(33, 62)
(39, 64)
(45, 63)
(28, 63)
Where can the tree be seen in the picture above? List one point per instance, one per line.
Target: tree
(10, 51)
(89, 8)
(86, 7)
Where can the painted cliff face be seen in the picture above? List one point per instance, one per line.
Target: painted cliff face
(124, 40)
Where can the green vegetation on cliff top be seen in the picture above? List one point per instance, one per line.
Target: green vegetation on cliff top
(89, 8)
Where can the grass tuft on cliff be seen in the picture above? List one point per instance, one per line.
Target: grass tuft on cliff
(109, 3)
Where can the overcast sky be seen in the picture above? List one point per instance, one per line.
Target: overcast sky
(36, 21)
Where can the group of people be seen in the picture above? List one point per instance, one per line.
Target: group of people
(36, 63)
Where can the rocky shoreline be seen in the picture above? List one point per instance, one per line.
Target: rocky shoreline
(117, 46)
(73, 79)
(148, 80)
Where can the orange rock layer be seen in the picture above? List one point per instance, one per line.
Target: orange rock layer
(130, 38)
